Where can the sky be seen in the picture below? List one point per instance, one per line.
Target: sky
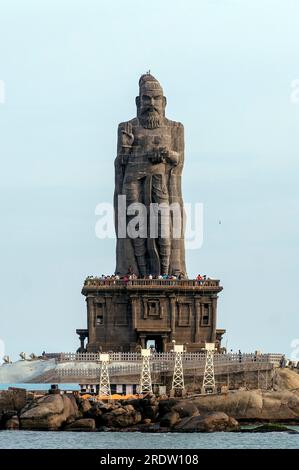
(69, 72)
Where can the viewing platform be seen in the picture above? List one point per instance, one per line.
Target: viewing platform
(97, 284)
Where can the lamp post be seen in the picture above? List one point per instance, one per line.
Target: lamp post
(178, 384)
(208, 385)
(104, 388)
(145, 378)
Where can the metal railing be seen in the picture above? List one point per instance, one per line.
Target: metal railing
(98, 282)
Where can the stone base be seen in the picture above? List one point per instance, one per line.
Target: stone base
(125, 316)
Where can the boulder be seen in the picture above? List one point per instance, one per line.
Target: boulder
(286, 379)
(12, 399)
(84, 424)
(49, 413)
(120, 411)
(150, 411)
(94, 412)
(210, 422)
(121, 418)
(129, 408)
(166, 405)
(146, 421)
(85, 406)
(253, 405)
(12, 424)
(186, 409)
(169, 419)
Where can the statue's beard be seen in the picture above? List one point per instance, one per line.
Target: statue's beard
(150, 119)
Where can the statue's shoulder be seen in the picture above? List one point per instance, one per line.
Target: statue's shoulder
(133, 122)
(175, 124)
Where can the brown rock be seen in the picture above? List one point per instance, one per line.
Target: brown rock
(208, 423)
(85, 406)
(151, 412)
(12, 399)
(49, 413)
(253, 405)
(121, 420)
(84, 424)
(120, 411)
(166, 405)
(129, 408)
(186, 409)
(286, 379)
(12, 424)
(169, 419)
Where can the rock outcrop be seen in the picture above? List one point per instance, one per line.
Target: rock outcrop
(49, 413)
(85, 424)
(12, 399)
(169, 419)
(210, 422)
(13, 423)
(121, 417)
(252, 405)
(286, 379)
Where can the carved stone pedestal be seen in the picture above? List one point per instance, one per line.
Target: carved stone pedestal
(123, 316)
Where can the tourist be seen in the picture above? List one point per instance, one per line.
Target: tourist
(240, 356)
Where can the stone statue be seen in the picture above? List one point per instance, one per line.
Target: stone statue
(148, 168)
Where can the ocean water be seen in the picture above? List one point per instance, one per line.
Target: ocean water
(136, 440)
(43, 386)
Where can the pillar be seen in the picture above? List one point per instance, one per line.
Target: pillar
(134, 303)
(172, 316)
(214, 318)
(197, 319)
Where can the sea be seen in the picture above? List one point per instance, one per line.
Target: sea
(137, 440)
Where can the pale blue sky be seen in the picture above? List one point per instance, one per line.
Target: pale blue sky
(71, 70)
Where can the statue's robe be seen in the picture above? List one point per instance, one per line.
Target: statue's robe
(170, 135)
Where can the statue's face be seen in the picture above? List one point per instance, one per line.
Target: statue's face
(151, 102)
(150, 108)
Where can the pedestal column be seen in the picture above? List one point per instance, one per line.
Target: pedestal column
(91, 319)
(197, 319)
(135, 304)
(214, 318)
(172, 300)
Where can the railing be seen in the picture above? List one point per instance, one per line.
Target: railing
(169, 356)
(158, 367)
(98, 282)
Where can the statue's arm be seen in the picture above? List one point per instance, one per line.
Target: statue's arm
(125, 139)
(178, 143)
(175, 155)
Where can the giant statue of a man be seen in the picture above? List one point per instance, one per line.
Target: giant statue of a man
(148, 168)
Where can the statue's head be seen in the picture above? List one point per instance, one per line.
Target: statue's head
(150, 103)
